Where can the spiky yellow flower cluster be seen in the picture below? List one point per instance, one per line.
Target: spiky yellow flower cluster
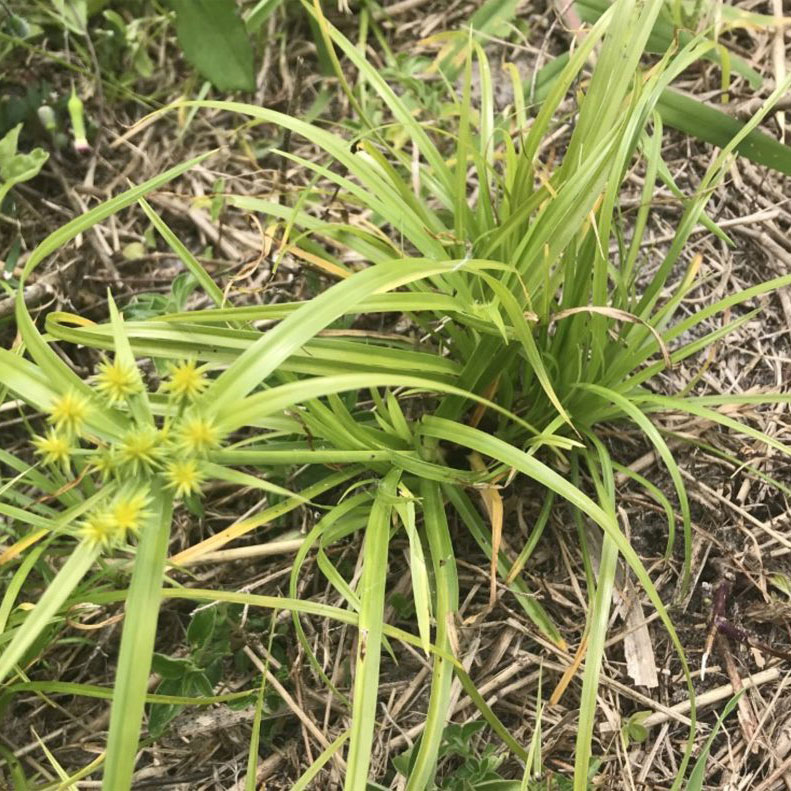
(110, 525)
(116, 381)
(176, 450)
(68, 413)
(197, 435)
(140, 450)
(184, 477)
(186, 381)
(105, 462)
(53, 447)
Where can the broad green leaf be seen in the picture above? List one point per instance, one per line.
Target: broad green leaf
(705, 122)
(16, 167)
(215, 42)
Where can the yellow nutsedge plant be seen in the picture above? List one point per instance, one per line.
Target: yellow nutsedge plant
(197, 434)
(128, 512)
(99, 529)
(141, 450)
(184, 477)
(54, 448)
(68, 413)
(116, 381)
(186, 380)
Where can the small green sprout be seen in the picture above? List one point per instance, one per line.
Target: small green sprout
(116, 381)
(77, 117)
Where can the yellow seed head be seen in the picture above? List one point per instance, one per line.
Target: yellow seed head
(186, 381)
(105, 462)
(99, 529)
(197, 434)
(128, 512)
(116, 381)
(68, 413)
(140, 449)
(53, 447)
(185, 477)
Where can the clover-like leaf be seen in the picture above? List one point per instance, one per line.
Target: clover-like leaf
(16, 167)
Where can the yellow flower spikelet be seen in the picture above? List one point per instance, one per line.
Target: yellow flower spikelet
(116, 381)
(68, 413)
(186, 381)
